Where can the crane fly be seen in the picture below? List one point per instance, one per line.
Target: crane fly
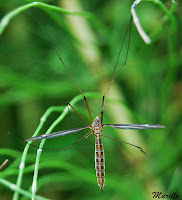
(97, 124)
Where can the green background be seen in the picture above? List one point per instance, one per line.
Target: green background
(147, 90)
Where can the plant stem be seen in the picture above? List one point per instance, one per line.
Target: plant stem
(14, 187)
(7, 18)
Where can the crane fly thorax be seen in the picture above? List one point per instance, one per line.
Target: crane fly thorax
(97, 126)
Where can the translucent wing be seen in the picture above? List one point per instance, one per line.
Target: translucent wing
(134, 126)
(56, 134)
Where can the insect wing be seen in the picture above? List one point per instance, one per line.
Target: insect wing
(56, 134)
(135, 126)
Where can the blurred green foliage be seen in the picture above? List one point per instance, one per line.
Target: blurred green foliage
(32, 79)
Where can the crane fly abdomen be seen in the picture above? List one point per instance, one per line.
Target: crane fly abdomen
(99, 152)
(99, 161)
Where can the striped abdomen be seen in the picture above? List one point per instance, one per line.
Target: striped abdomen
(99, 161)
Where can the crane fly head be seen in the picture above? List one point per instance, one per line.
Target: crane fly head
(96, 122)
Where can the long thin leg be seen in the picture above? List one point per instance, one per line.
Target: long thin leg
(115, 75)
(77, 141)
(88, 108)
(78, 113)
(125, 143)
(63, 61)
(102, 112)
